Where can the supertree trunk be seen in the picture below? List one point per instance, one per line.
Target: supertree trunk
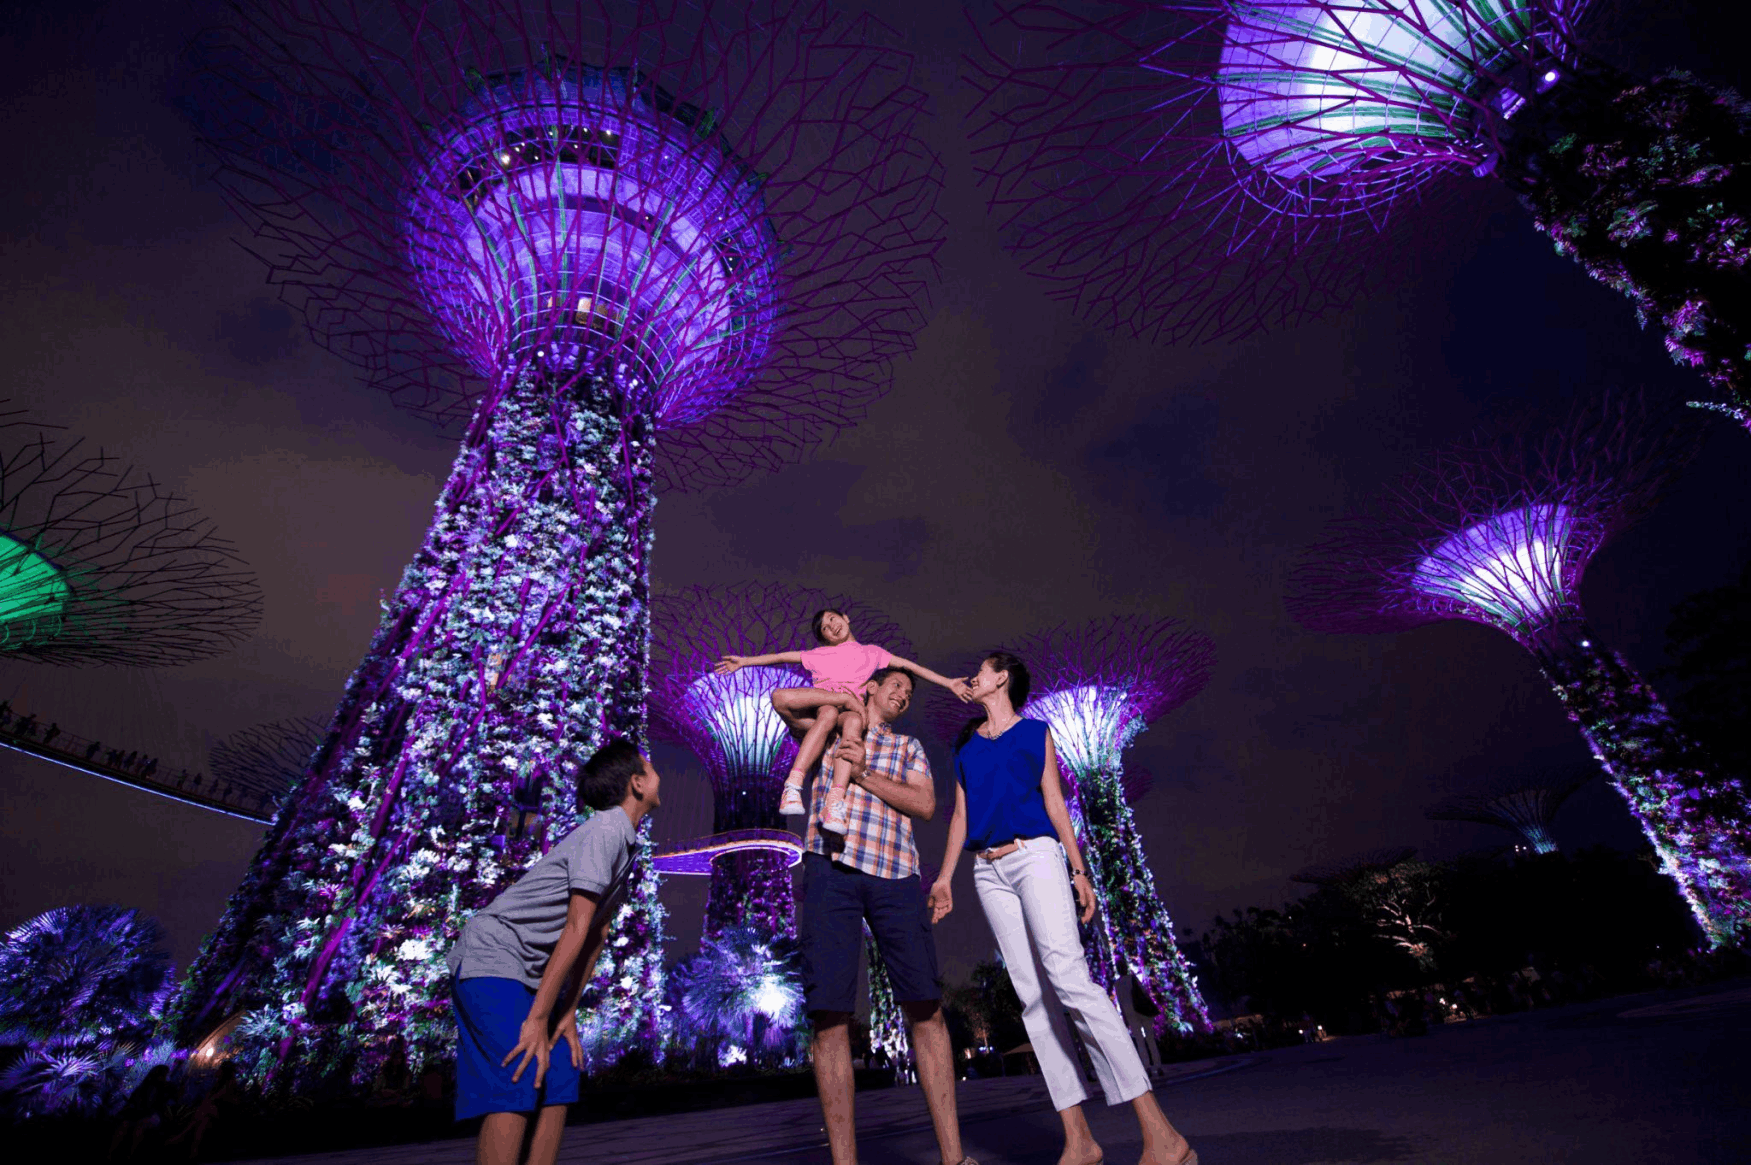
(1645, 185)
(1138, 932)
(515, 645)
(1698, 822)
(751, 888)
(887, 1023)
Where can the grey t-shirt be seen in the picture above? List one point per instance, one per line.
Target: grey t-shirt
(515, 935)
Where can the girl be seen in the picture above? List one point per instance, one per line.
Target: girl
(1009, 810)
(838, 670)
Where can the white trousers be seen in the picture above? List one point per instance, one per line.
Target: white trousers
(1031, 907)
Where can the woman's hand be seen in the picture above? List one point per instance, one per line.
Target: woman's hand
(1084, 895)
(568, 1031)
(941, 902)
(533, 1043)
(729, 664)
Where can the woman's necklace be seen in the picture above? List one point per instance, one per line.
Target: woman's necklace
(991, 732)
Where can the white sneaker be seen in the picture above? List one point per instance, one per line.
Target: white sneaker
(791, 804)
(836, 817)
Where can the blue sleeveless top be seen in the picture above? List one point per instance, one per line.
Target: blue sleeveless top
(1002, 780)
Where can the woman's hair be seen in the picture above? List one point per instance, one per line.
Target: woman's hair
(815, 623)
(1019, 684)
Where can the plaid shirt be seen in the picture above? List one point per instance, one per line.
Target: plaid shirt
(878, 839)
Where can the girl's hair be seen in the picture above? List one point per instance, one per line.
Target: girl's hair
(1019, 684)
(815, 623)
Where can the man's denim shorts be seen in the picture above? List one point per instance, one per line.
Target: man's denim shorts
(837, 900)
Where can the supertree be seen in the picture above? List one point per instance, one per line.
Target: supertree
(1527, 807)
(99, 564)
(1203, 168)
(729, 723)
(259, 764)
(593, 230)
(1499, 530)
(1098, 686)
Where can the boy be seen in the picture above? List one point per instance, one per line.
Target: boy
(525, 959)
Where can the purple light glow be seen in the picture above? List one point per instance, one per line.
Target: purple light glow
(1512, 566)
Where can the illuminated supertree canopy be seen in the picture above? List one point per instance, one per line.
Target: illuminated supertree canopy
(1098, 686)
(1203, 168)
(631, 242)
(1500, 530)
(99, 564)
(1527, 807)
(730, 724)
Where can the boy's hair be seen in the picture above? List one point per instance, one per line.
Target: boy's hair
(608, 774)
(880, 675)
(815, 623)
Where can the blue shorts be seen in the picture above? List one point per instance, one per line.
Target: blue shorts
(837, 900)
(489, 1014)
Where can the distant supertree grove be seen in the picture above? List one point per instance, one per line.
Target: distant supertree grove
(1525, 806)
(626, 243)
(1500, 531)
(1098, 686)
(1201, 168)
(99, 564)
(1347, 870)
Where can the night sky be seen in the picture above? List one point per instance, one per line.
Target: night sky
(1024, 471)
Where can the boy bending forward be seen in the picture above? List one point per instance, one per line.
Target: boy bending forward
(522, 962)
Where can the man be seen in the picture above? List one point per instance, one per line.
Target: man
(870, 873)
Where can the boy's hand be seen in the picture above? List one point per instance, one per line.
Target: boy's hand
(941, 901)
(568, 1031)
(532, 1042)
(728, 664)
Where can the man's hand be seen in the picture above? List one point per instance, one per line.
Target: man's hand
(729, 664)
(533, 1043)
(851, 751)
(941, 902)
(1084, 895)
(568, 1031)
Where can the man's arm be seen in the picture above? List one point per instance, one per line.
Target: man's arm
(958, 687)
(915, 798)
(532, 1041)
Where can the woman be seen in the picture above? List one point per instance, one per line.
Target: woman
(1009, 810)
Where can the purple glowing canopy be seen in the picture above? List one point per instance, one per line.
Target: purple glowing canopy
(721, 204)
(1200, 168)
(1499, 529)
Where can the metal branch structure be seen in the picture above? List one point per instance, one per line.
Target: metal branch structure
(265, 763)
(631, 243)
(1195, 169)
(730, 724)
(100, 564)
(1499, 531)
(1098, 686)
(1527, 807)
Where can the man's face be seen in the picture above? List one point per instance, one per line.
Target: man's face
(892, 696)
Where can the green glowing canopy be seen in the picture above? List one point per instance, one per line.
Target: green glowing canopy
(33, 594)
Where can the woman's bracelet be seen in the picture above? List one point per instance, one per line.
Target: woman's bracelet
(1075, 874)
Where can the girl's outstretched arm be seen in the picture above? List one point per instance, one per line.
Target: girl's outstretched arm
(1052, 792)
(731, 663)
(957, 686)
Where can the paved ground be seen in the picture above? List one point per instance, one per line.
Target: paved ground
(1663, 1079)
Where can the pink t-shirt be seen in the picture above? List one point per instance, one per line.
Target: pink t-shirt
(844, 667)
